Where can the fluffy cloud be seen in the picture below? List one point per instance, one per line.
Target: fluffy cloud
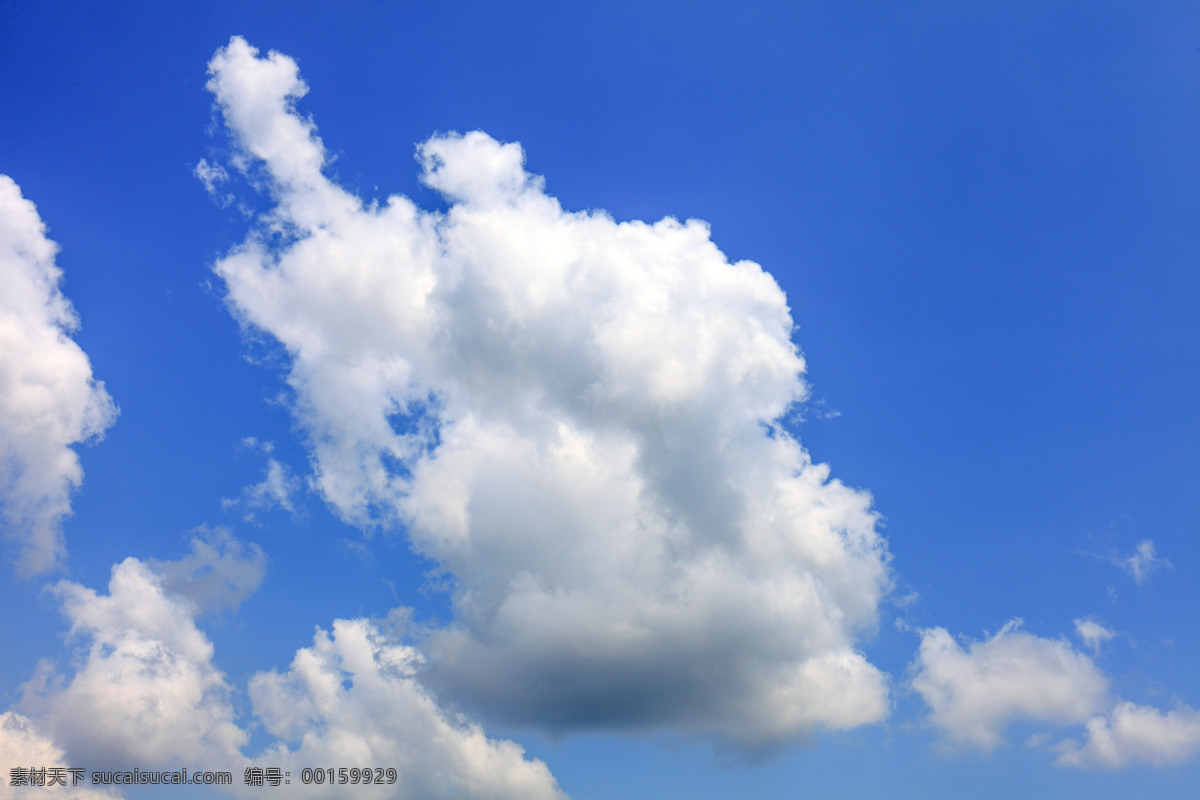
(1131, 734)
(352, 699)
(49, 400)
(144, 691)
(575, 417)
(23, 746)
(973, 693)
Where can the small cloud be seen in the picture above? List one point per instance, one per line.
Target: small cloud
(210, 174)
(357, 547)
(814, 409)
(1143, 561)
(392, 586)
(275, 490)
(1092, 633)
(213, 176)
(974, 692)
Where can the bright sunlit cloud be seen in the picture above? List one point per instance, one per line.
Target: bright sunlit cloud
(142, 690)
(49, 400)
(1134, 734)
(576, 417)
(973, 693)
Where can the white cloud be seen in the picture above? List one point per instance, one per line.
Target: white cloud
(49, 400)
(218, 573)
(144, 691)
(23, 746)
(213, 176)
(1132, 734)
(1143, 561)
(974, 693)
(574, 417)
(1093, 633)
(252, 443)
(352, 699)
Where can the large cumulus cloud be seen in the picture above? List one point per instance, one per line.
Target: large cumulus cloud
(49, 400)
(576, 418)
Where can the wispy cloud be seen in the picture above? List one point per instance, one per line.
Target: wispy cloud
(276, 490)
(213, 176)
(1143, 561)
(219, 572)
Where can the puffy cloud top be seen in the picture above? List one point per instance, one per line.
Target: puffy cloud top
(1132, 734)
(145, 691)
(576, 418)
(974, 692)
(49, 400)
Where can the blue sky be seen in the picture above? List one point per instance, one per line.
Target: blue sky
(579, 449)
